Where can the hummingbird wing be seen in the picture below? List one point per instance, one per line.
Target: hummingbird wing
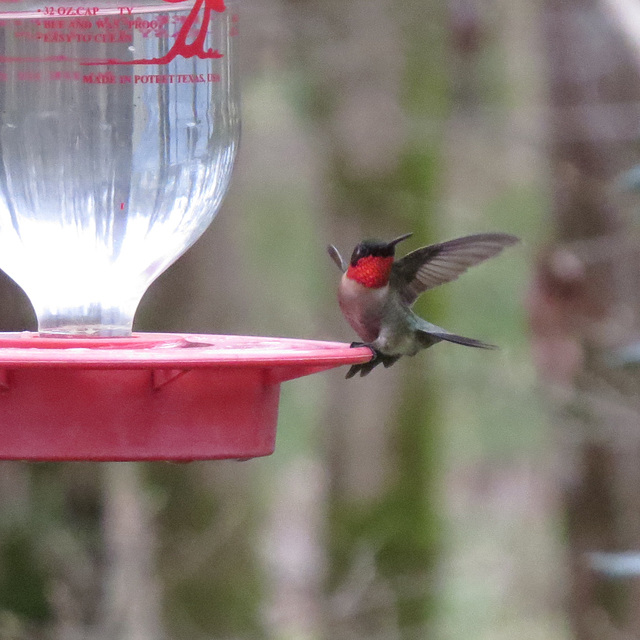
(436, 264)
(336, 257)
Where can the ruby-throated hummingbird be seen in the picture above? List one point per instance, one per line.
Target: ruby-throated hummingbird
(376, 292)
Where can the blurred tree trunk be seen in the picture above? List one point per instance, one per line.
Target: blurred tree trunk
(584, 306)
(376, 92)
(132, 599)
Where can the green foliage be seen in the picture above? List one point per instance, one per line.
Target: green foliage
(23, 579)
(410, 507)
(206, 560)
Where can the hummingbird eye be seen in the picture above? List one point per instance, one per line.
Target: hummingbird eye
(358, 252)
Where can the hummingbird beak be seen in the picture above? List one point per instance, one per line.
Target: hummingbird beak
(393, 243)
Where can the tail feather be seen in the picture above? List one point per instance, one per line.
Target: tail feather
(427, 338)
(467, 342)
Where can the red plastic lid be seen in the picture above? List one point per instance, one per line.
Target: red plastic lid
(150, 350)
(150, 396)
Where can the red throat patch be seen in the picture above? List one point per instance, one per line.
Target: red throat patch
(371, 271)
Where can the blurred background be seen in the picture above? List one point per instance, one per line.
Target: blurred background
(460, 494)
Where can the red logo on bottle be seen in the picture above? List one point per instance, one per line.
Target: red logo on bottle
(185, 46)
(181, 47)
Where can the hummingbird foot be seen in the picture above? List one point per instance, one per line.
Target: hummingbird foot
(364, 368)
(367, 367)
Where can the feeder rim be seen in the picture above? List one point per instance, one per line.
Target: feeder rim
(174, 350)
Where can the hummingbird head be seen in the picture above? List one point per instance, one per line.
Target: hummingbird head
(371, 262)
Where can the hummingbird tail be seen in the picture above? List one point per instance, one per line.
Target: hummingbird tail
(467, 342)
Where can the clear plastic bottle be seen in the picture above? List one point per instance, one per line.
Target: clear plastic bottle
(118, 132)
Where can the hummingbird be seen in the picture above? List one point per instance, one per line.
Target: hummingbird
(376, 292)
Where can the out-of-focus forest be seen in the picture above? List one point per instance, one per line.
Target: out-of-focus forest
(460, 494)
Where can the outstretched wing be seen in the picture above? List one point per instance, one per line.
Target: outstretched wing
(336, 257)
(436, 264)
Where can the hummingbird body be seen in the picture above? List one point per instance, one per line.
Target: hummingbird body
(362, 306)
(376, 292)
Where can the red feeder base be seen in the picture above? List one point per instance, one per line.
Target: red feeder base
(150, 397)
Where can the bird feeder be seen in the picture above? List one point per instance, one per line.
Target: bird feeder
(118, 131)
